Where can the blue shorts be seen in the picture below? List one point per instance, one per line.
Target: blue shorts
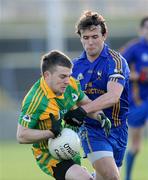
(93, 139)
(138, 115)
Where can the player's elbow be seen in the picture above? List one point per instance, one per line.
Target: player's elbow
(20, 141)
(115, 98)
(20, 136)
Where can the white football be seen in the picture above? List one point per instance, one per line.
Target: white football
(65, 146)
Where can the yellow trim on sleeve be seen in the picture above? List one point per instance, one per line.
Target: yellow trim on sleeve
(36, 102)
(117, 59)
(26, 97)
(33, 99)
(73, 83)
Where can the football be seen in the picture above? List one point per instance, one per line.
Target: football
(65, 146)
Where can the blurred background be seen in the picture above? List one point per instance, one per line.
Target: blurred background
(30, 28)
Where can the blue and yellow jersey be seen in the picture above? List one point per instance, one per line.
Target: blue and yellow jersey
(41, 101)
(94, 76)
(136, 52)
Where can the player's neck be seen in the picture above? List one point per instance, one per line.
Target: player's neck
(92, 58)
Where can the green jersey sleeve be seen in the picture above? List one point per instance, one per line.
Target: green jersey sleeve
(80, 92)
(30, 111)
(27, 119)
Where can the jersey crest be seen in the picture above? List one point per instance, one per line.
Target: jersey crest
(27, 118)
(74, 97)
(80, 76)
(99, 74)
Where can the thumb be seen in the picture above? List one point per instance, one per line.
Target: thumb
(66, 116)
(103, 116)
(52, 117)
(59, 121)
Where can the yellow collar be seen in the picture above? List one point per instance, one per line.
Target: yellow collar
(47, 90)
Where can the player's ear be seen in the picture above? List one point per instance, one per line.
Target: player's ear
(105, 35)
(81, 39)
(46, 74)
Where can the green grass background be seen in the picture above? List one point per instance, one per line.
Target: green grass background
(17, 163)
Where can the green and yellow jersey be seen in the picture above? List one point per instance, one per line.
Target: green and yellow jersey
(41, 101)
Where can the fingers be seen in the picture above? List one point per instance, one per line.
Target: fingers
(107, 128)
(107, 131)
(59, 121)
(51, 117)
(67, 115)
(103, 116)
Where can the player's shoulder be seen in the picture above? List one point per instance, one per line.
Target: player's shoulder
(77, 61)
(33, 94)
(74, 83)
(117, 60)
(80, 59)
(132, 44)
(115, 56)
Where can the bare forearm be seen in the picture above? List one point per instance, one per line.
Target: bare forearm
(102, 102)
(29, 136)
(114, 91)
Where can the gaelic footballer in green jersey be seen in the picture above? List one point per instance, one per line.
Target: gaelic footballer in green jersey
(42, 111)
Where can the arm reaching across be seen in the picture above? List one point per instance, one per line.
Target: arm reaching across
(28, 136)
(76, 117)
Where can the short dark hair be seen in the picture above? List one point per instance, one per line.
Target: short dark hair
(143, 20)
(89, 19)
(54, 58)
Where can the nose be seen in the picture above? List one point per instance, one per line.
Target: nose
(90, 41)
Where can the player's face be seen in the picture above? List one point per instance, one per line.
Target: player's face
(59, 79)
(144, 30)
(92, 41)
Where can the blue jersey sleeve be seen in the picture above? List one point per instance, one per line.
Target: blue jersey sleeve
(118, 69)
(128, 54)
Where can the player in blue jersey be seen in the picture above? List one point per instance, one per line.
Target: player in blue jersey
(136, 54)
(104, 77)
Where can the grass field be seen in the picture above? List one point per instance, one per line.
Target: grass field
(17, 163)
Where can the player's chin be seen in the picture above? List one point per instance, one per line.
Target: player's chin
(92, 53)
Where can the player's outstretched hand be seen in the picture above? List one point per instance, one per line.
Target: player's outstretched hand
(105, 123)
(56, 125)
